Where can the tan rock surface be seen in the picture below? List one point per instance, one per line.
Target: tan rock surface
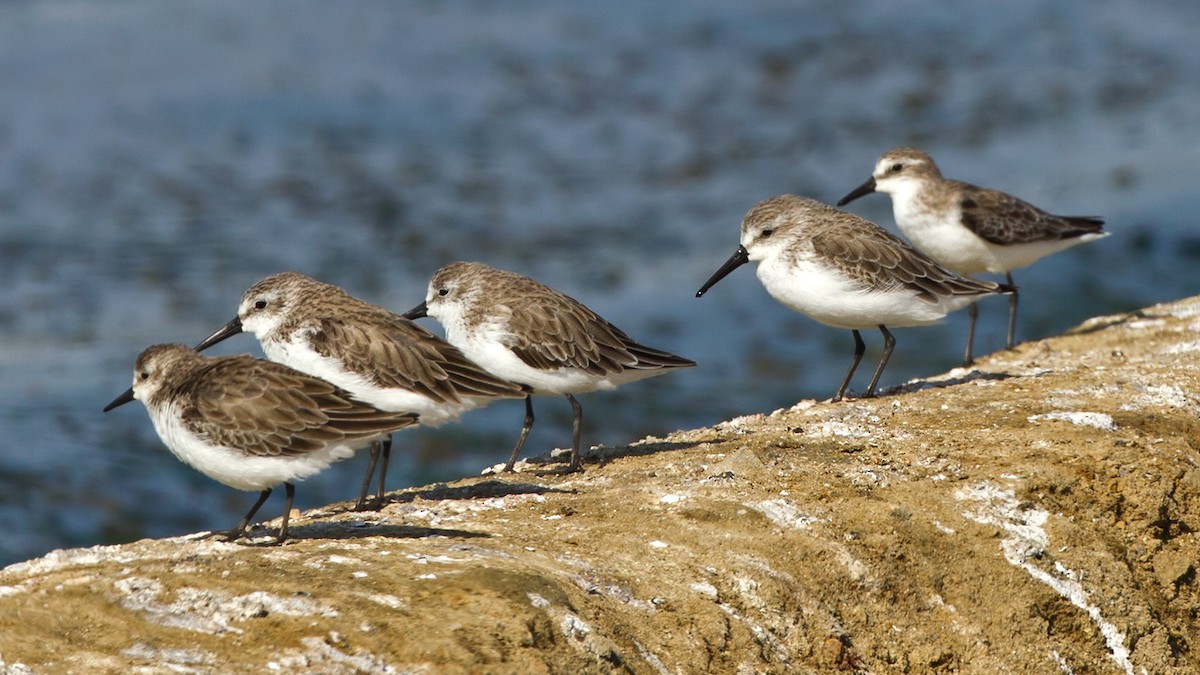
(1036, 514)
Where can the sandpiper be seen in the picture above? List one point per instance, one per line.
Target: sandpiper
(523, 331)
(970, 229)
(252, 424)
(377, 355)
(846, 272)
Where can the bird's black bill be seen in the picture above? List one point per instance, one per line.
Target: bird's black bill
(227, 331)
(864, 189)
(120, 400)
(740, 257)
(418, 312)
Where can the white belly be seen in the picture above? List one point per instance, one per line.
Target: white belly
(945, 240)
(1016, 256)
(239, 470)
(953, 246)
(835, 300)
(485, 348)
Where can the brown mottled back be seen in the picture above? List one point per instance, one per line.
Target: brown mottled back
(550, 330)
(259, 407)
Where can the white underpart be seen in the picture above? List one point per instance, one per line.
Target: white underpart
(834, 299)
(236, 468)
(943, 237)
(298, 353)
(486, 345)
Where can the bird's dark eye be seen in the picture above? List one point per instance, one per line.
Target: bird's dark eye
(443, 292)
(767, 233)
(145, 375)
(261, 304)
(896, 167)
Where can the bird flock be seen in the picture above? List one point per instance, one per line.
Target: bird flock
(342, 374)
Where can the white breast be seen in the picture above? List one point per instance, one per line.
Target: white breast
(235, 468)
(826, 295)
(1016, 256)
(486, 346)
(942, 236)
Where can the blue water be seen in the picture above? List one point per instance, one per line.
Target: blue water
(158, 158)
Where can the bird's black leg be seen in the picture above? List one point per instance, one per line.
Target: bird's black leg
(512, 460)
(287, 512)
(238, 531)
(376, 450)
(888, 343)
(969, 356)
(1012, 311)
(576, 464)
(383, 467)
(860, 348)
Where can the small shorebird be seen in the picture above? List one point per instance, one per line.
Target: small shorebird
(379, 356)
(525, 332)
(251, 424)
(846, 272)
(970, 229)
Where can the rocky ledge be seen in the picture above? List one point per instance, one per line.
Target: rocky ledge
(1036, 513)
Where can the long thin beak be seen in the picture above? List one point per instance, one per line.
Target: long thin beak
(740, 257)
(417, 312)
(864, 189)
(120, 400)
(227, 331)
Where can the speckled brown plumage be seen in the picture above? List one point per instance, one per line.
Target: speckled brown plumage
(550, 330)
(381, 346)
(860, 249)
(846, 272)
(252, 424)
(1004, 219)
(529, 333)
(259, 407)
(970, 229)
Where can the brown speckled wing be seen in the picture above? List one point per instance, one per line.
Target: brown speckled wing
(266, 409)
(392, 351)
(879, 260)
(1003, 219)
(551, 330)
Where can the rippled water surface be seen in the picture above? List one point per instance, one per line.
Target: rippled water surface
(157, 158)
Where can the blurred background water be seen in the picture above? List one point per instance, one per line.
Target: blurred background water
(158, 158)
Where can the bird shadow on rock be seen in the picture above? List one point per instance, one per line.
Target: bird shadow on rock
(484, 489)
(333, 530)
(555, 462)
(322, 528)
(603, 455)
(1102, 323)
(330, 530)
(490, 488)
(953, 381)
